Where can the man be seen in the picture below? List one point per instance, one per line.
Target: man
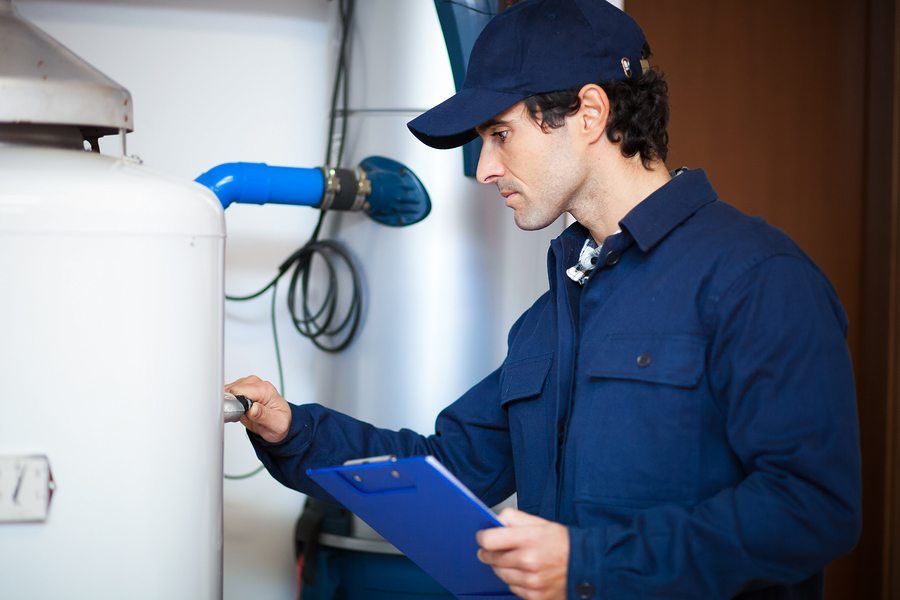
(677, 412)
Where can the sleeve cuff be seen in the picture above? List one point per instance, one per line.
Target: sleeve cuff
(299, 435)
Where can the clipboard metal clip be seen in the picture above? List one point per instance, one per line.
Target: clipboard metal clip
(371, 459)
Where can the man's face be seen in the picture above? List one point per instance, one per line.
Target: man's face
(537, 173)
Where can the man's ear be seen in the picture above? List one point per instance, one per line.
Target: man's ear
(594, 112)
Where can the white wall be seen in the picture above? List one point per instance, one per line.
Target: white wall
(216, 81)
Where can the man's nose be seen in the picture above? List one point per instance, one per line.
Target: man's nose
(489, 167)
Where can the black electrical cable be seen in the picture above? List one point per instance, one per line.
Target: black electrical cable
(345, 71)
(340, 79)
(315, 325)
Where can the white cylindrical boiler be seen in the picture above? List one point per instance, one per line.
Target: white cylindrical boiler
(111, 362)
(111, 308)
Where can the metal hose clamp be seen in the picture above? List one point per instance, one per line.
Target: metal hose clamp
(332, 187)
(363, 189)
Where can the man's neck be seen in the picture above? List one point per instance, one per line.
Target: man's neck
(606, 201)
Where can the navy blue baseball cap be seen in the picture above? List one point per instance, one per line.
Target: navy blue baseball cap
(533, 47)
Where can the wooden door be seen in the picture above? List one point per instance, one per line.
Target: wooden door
(778, 101)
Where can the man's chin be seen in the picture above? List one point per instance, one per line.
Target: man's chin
(532, 222)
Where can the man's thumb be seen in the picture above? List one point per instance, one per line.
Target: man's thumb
(255, 411)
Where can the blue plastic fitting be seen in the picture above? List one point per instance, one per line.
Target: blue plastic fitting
(259, 183)
(398, 198)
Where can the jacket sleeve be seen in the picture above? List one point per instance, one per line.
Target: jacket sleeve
(781, 374)
(471, 439)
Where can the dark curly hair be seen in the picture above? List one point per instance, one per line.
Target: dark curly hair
(639, 113)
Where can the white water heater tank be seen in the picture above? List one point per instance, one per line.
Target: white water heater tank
(111, 308)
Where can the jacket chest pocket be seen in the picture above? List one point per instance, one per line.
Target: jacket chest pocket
(523, 396)
(638, 419)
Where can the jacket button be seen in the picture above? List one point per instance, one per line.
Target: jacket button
(584, 590)
(644, 360)
(612, 257)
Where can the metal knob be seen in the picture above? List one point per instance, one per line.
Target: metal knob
(235, 407)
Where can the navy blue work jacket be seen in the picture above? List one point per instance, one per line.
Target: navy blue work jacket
(689, 413)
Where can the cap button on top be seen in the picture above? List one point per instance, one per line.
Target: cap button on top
(644, 360)
(585, 590)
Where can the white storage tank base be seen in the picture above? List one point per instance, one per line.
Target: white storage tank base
(111, 358)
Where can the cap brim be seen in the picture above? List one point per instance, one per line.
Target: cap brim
(452, 123)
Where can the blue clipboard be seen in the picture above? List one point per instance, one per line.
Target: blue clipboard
(421, 508)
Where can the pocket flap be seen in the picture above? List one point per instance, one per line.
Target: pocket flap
(675, 360)
(524, 378)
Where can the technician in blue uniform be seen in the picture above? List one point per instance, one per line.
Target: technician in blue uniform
(677, 412)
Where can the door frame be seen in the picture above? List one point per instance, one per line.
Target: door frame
(879, 370)
(888, 41)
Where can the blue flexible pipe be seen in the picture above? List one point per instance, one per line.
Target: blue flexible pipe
(259, 183)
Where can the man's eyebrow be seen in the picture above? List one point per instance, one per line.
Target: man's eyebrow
(492, 123)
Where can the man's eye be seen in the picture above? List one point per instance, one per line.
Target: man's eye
(501, 134)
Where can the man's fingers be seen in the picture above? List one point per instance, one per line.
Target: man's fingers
(518, 591)
(508, 559)
(512, 516)
(259, 391)
(522, 579)
(262, 423)
(270, 415)
(242, 380)
(521, 560)
(530, 555)
(504, 538)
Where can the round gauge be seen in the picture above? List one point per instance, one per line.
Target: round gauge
(26, 486)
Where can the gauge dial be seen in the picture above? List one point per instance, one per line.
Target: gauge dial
(26, 486)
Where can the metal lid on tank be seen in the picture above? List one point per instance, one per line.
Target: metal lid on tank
(43, 82)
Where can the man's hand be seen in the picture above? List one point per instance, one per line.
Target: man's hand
(530, 554)
(270, 415)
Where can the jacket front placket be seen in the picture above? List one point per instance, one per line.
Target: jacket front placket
(564, 296)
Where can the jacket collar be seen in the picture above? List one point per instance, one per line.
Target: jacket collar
(648, 223)
(668, 207)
